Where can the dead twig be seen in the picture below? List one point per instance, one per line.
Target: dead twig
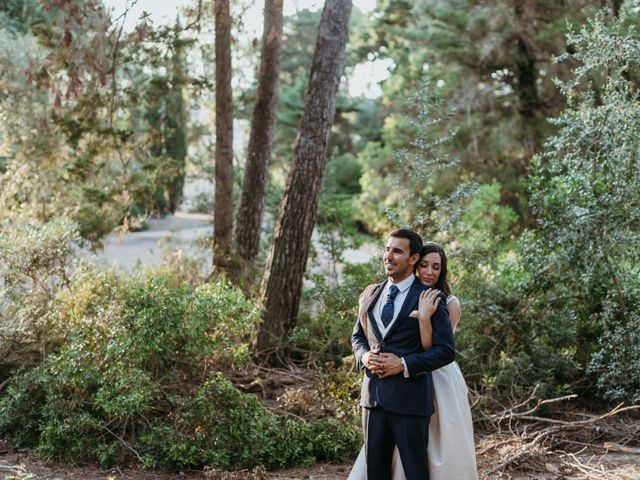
(124, 442)
(553, 433)
(282, 371)
(512, 413)
(614, 447)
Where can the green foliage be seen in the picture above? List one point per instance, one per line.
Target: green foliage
(378, 187)
(134, 374)
(615, 363)
(35, 264)
(343, 175)
(19, 15)
(223, 427)
(109, 111)
(336, 218)
(334, 441)
(557, 306)
(506, 341)
(337, 231)
(333, 308)
(485, 223)
(586, 193)
(339, 391)
(491, 65)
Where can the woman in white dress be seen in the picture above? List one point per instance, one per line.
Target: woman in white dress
(451, 450)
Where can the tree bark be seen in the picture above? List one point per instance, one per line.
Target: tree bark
(616, 6)
(254, 187)
(526, 73)
(282, 282)
(176, 141)
(223, 200)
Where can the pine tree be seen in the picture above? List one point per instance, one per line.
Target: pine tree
(223, 200)
(282, 281)
(254, 187)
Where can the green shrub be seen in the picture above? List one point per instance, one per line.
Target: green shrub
(330, 311)
(21, 410)
(334, 441)
(217, 425)
(135, 378)
(586, 193)
(36, 261)
(614, 366)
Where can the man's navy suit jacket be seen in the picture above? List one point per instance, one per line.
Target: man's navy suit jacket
(413, 395)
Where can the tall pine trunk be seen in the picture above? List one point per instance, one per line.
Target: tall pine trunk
(176, 141)
(223, 200)
(526, 72)
(254, 187)
(282, 282)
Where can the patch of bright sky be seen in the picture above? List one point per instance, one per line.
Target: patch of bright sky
(363, 81)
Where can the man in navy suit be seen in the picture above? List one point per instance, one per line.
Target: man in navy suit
(397, 391)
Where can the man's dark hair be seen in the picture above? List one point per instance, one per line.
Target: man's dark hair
(415, 240)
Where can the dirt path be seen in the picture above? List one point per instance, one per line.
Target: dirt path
(186, 232)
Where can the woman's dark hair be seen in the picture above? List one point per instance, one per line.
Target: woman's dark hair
(441, 284)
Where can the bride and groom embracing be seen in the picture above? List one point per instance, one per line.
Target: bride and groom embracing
(416, 417)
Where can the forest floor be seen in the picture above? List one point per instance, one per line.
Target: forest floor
(591, 463)
(513, 444)
(597, 449)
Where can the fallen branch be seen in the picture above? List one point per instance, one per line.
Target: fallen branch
(614, 447)
(4, 383)
(10, 468)
(553, 433)
(282, 371)
(511, 412)
(592, 472)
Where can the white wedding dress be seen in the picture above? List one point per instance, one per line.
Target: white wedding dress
(451, 452)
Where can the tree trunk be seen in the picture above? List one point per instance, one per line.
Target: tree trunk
(526, 73)
(176, 141)
(529, 101)
(223, 200)
(282, 282)
(254, 187)
(616, 5)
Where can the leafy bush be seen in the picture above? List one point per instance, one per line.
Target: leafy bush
(223, 427)
(615, 363)
(215, 425)
(134, 349)
(134, 373)
(36, 261)
(586, 193)
(324, 330)
(507, 339)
